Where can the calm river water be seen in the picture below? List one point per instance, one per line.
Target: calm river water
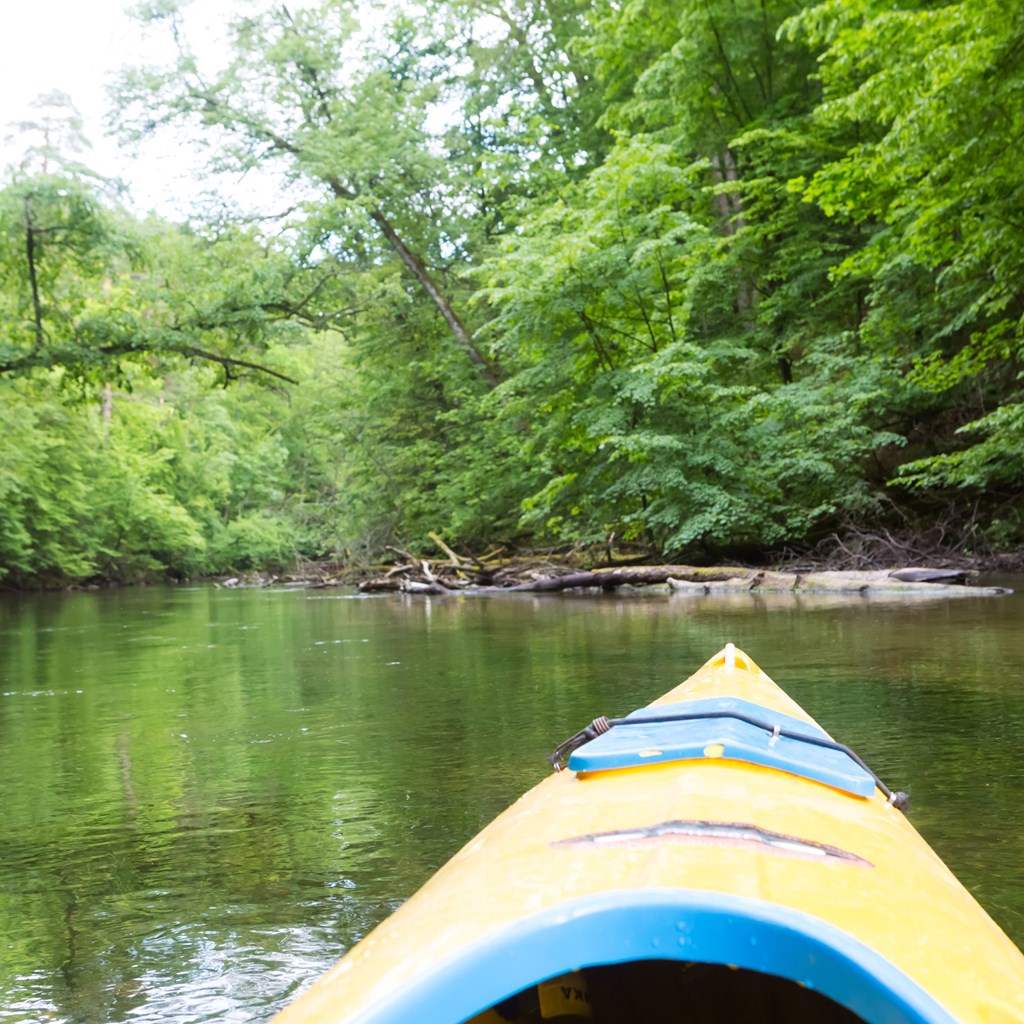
(209, 795)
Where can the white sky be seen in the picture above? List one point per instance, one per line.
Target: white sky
(77, 47)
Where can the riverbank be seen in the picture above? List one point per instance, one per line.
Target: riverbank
(412, 574)
(840, 565)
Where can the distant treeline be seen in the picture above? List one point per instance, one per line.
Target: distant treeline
(699, 277)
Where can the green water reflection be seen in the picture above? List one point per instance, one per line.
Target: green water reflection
(209, 795)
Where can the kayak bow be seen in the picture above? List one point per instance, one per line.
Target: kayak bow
(715, 856)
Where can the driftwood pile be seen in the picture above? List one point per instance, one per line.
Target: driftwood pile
(414, 575)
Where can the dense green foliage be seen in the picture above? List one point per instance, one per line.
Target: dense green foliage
(705, 277)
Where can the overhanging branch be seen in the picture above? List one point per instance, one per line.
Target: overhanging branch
(228, 362)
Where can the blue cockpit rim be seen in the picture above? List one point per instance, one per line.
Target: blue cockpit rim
(616, 927)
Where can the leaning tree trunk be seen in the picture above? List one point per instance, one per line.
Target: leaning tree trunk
(414, 263)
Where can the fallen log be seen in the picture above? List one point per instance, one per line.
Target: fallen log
(453, 558)
(863, 582)
(914, 575)
(636, 575)
(416, 587)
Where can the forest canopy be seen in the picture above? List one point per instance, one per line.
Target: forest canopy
(707, 279)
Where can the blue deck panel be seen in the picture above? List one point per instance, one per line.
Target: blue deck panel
(643, 742)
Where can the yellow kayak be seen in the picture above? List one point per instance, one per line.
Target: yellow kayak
(714, 857)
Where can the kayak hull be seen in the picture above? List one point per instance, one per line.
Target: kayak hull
(710, 859)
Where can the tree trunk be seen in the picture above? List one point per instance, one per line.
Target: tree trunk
(30, 256)
(730, 209)
(415, 264)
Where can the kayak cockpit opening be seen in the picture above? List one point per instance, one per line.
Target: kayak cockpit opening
(665, 992)
(645, 954)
